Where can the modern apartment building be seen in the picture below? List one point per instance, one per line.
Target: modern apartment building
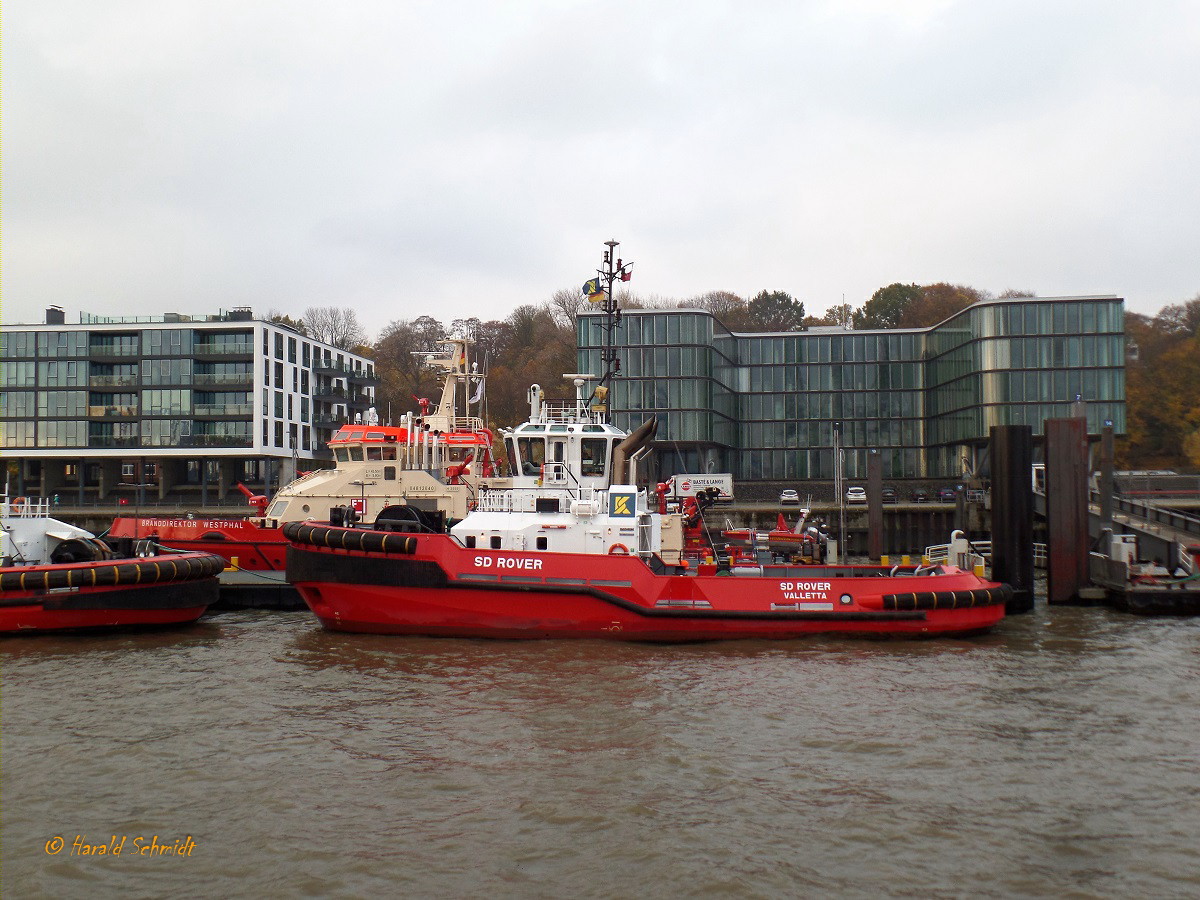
(136, 407)
(766, 407)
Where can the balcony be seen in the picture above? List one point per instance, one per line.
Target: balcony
(113, 351)
(331, 394)
(113, 381)
(223, 348)
(112, 412)
(223, 409)
(236, 378)
(105, 441)
(327, 421)
(215, 440)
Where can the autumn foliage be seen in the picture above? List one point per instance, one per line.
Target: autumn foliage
(1162, 390)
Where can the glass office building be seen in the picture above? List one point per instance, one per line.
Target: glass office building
(766, 406)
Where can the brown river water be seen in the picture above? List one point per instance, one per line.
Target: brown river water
(1057, 756)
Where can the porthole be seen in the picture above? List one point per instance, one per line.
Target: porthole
(846, 599)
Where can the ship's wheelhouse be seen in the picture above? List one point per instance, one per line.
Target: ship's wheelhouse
(581, 452)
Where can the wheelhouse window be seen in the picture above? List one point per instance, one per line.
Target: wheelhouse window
(533, 454)
(594, 452)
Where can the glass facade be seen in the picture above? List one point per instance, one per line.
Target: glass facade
(766, 406)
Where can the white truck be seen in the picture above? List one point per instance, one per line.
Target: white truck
(690, 485)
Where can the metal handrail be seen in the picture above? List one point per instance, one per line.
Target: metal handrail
(940, 553)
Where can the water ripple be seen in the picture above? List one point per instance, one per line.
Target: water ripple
(1055, 756)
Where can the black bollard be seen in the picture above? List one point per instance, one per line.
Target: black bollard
(1066, 509)
(1012, 513)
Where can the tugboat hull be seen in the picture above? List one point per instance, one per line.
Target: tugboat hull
(151, 592)
(376, 583)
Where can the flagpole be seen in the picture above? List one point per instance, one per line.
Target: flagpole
(612, 270)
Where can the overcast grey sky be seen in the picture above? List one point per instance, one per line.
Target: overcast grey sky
(458, 159)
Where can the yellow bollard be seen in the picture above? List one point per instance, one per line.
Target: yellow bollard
(233, 564)
(884, 560)
(979, 570)
(924, 560)
(906, 560)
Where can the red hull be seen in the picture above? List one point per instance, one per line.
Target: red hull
(443, 589)
(255, 548)
(150, 592)
(33, 618)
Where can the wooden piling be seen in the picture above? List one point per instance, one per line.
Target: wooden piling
(1066, 509)
(874, 505)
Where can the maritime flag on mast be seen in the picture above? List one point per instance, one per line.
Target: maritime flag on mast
(593, 290)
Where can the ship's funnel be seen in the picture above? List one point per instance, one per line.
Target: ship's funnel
(638, 439)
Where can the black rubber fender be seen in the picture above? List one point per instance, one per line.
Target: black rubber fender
(948, 599)
(349, 538)
(151, 570)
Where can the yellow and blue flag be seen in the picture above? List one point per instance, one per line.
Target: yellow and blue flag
(593, 290)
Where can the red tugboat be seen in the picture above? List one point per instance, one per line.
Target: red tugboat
(56, 577)
(573, 549)
(433, 460)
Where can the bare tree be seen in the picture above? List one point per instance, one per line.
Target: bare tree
(565, 306)
(334, 325)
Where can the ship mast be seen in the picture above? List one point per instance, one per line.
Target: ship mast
(612, 269)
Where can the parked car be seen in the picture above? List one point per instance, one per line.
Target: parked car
(947, 495)
(920, 495)
(789, 498)
(890, 495)
(856, 495)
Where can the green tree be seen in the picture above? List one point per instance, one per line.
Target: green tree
(887, 306)
(775, 311)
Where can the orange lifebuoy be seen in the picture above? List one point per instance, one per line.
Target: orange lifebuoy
(17, 504)
(618, 550)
